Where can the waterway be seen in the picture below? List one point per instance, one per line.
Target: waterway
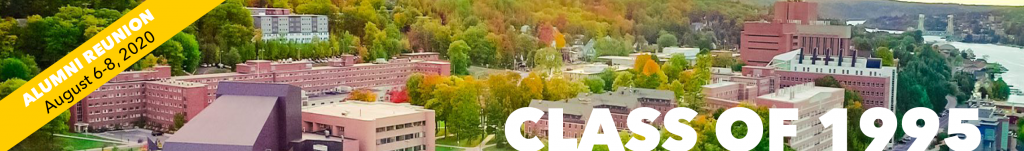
(859, 22)
(1011, 58)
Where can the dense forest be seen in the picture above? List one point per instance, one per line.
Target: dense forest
(502, 34)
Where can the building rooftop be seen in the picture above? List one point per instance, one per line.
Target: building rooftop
(289, 15)
(179, 83)
(366, 110)
(798, 93)
(200, 76)
(574, 108)
(719, 84)
(420, 53)
(246, 115)
(792, 58)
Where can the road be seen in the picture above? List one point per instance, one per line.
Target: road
(943, 123)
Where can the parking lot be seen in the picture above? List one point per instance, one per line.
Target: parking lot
(133, 136)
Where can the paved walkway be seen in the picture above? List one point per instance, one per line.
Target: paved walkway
(91, 139)
(943, 123)
(479, 147)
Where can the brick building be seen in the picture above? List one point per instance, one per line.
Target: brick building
(795, 25)
(729, 89)
(376, 126)
(280, 23)
(576, 111)
(875, 83)
(812, 102)
(262, 117)
(154, 97)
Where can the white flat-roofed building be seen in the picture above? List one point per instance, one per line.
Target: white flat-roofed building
(377, 125)
(875, 82)
(812, 102)
(279, 23)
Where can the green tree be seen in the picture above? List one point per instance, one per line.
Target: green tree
(547, 59)
(676, 87)
(182, 53)
(227, 25)
(465, 118)
(7, 38)
(413, 84)
(609, 46)
(61, 38)
(608, 76)
(231, 58)
(9, 85)
(459, 57)
(675, 66)
(145, 63)
(179, 121)
(557, 87)
(483, 52)
(505, 96)
(667, 40)
(45, 138)
(886, 55)
(14, 68)
(1000, 90)
(236, 37)
(623, 79)
(533, 86)
(595, 85)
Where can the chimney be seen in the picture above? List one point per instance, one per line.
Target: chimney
(814, 56)
(801, 59)
(853, 60)
(828, 55)
(840, 63)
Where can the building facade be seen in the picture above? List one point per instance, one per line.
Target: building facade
(576, 111)
(812, 102)
(279, 23)
(729, 89)
(152, 98)
(994, 127)
(378, 126)
(866, 76)
(794, 26)
(262, 117)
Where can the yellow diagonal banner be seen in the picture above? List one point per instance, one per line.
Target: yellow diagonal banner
(92, 64)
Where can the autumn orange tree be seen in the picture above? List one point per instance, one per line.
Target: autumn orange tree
(364, 95)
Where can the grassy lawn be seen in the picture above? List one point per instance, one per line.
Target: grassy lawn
(492, 141)
(80, 144)
(465, 142)
(88, 136)
(440, 148)
(495, 148)
(440, 129)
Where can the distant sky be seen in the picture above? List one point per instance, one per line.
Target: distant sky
(975, 2)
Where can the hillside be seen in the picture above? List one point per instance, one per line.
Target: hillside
(854, 9)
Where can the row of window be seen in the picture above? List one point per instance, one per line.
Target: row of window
(126, 94)
(119, 87)
(401, 126)
(119, 117)
(162, 88)
(117, 110)
(414, 148)
(109, 103)
(845, 83)
(387, 140)
(163, 103)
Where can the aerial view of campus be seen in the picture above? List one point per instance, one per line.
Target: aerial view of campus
(445, 75)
